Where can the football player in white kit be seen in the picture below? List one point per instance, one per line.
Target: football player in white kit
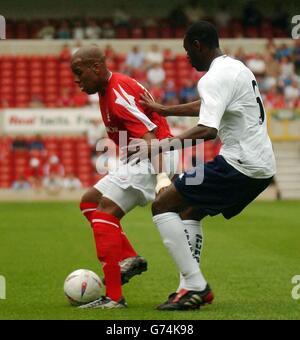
(231, 108)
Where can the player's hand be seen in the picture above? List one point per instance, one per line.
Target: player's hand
(161, 191)
(148, 103)
(134, 153)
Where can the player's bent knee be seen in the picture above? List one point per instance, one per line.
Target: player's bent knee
(109, 207)
(91, 196)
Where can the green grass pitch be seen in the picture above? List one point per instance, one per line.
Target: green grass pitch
(249, 261)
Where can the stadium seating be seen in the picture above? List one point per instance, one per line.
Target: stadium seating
(23, 29)
(74, 154)
(25, 79)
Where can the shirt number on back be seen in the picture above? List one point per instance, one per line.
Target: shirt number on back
(261, 106)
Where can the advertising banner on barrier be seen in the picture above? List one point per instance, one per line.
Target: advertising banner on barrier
(284, 124)
(31, 121)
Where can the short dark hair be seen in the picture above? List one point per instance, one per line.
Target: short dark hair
(204, 32)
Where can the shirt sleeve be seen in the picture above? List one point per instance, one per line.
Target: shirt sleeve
(214, 95)
(133, 116)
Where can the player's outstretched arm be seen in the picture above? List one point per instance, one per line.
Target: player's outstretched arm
(149, 150)
(187, 110)
(199, 132)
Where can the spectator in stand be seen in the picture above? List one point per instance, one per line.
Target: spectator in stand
(71, 182)
(170, 93)
(92, 30)
(222, 16)
(63, 31)
(53, 184)
(35, 173)
(194, 12)
(47, 31)
(20, 144)
(287, 68)
(150, 22)
(292, 93)
(283, 51)
(156, 75)
(37, 144)
(54, 168)
(135, 59)
(154, 56)
(78, 31)
(108, 31)
(65, 99)
(189, 92)
(65, 54)
(296, 53)
(271, 73)
(270, 47)
(272, 66)
(21, 184)
(121, 17)
(295, 104)
(275, 98)
(252, 15)
(177, 17)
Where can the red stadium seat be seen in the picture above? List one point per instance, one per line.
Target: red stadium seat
(5, 184)
(6, 82)
(166, 32)
(152, 32)
(7, 73)
(251, 32)
(179, 32)
(122, 33)
(225, 32)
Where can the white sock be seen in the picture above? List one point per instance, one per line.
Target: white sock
(171, 229)
(194, 233)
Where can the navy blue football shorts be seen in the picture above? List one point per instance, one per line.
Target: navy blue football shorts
(224, 189)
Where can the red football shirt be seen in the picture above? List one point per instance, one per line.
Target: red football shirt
(121, 111)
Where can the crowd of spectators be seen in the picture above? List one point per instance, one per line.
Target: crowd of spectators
(250, 21)
(277, 69)
(42, 170)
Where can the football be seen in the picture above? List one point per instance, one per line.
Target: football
(82, 286)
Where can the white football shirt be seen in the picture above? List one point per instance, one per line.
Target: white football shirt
(231, 103)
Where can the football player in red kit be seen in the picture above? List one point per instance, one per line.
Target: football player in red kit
(116, 194)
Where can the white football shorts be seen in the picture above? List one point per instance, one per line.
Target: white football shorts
(130, 186)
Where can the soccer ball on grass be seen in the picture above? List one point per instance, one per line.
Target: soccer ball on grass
(82, 286)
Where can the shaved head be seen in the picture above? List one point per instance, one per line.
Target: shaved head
(89, 68)
(89, 53)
